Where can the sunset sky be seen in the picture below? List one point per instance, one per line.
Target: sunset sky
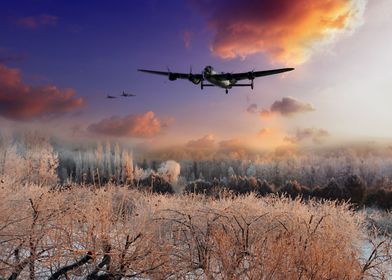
(58, 61)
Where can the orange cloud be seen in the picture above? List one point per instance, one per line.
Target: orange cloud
(317, 135)
(287, 31)
(19, 101)
(229, 144)
(264, 132)
(206, 142)
(34, 22)
(265, 114)
(145, 125)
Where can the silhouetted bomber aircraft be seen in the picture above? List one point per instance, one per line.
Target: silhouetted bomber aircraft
(223, 80)
(126, 94)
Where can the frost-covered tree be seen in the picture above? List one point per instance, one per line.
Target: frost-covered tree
(127, 166)
(108, 161)
(48, 163)
(13, 165)
(251, 170)
(230, 172)
(29, 158)
(170, 170)
(117, 162)
(138, 174)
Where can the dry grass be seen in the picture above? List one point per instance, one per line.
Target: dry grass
(114, 233)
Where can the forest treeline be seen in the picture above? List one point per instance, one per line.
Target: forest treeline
(342, 175)
(97, 211)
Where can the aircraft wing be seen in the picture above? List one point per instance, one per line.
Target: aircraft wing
(173, 75)
(252, 74)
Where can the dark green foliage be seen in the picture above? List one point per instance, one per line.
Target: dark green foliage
(292, 189)
(263, 188)
(332, 191)
(199, 187)
(380, 198)
(157, 184)
(356, 188)
(242, 186)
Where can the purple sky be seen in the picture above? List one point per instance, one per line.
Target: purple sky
(95, 49)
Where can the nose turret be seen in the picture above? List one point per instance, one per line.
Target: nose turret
(208, 69)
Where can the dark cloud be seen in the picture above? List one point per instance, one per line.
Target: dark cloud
(34, 22)
(287, 107)
(145, 125)
(290, 106)
(19, 101)
(286, 30)
(316, 135)
(252, 108)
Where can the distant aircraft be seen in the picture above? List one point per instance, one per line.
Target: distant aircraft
(125, 94)
(223, 80)
(111, 96)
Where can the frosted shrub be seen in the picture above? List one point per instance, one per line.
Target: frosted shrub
(113, 233)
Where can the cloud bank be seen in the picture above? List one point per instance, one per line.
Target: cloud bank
(205, 142)
(316, 135)
(145, 125)
(22, 102)
(287, 31)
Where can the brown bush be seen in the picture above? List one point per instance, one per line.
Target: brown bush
(114, 233)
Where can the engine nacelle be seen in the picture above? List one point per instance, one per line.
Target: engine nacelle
(194, 80)
(251, 75)
(172, 77)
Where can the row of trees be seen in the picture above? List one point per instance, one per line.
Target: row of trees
(32, 158)
(98, 165)
(352, 189)
(29, 158)
(308, 169)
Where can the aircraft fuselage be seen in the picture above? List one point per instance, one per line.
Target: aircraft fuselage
(209, 74)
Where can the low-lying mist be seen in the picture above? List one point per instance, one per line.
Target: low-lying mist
(321, 172)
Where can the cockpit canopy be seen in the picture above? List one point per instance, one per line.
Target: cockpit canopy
(208, 69)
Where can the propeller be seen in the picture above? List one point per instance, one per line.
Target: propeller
(250, 74)
(172, 77)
